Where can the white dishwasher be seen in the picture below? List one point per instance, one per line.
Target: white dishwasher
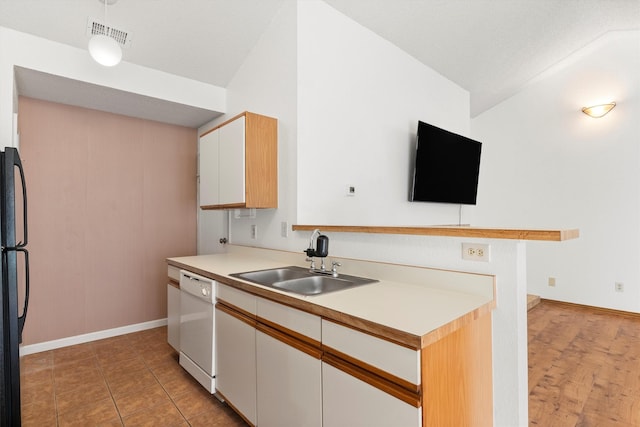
(197, 343)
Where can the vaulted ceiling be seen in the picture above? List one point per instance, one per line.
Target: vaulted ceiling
(491, 48)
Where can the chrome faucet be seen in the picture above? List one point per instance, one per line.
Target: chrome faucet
(334, 268)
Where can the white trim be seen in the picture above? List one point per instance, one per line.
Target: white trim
(92, 336)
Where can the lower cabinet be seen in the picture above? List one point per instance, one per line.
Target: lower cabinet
(268, 360)
(350, 402)
(289, 383)
(173, 316)
(173, 307)
(282, 367)
(236, 360)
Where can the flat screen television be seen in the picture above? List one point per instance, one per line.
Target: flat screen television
(447, 166)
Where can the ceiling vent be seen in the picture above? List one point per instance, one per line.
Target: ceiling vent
(96, 27)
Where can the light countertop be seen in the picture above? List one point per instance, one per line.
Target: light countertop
(413, 306)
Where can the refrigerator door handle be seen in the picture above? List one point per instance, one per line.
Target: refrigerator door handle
(18, 163)
(23, 316)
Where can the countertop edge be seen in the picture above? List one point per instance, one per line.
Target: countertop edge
(400, 337)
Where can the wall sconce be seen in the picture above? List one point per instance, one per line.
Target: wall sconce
(597, 111)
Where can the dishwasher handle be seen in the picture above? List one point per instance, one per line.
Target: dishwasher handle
(197, 286)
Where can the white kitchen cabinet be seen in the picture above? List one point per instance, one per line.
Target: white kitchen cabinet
(397, 361)
(208, 168)
(173, 307)
(231, 166)
(173, 316)
(289, 383)
(350, 402)
(368, 381)
(238, 163)
(289, 368)
(236, 351)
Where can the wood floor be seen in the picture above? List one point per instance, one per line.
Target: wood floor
(584, 370)
(584, 366)
(131, 380)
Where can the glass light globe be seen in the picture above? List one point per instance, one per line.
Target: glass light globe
(105, 50)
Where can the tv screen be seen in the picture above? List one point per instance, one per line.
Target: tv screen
(446, 167)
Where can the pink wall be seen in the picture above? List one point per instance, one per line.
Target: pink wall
(110, 197)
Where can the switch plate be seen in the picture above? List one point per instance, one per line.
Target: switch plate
(476, 252)
(552, 281)
(351, 190)
(254, 231)
(284, 229)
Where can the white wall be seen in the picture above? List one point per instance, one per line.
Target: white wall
(545, 164)
(360, 99)
(24, 50)
(265, 84)
(349, 108)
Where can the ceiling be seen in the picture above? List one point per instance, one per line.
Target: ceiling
(491, 48)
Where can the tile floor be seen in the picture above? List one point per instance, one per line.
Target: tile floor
(130, 380)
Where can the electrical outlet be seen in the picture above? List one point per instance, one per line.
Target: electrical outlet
(284, 229)
(476, 252)
(254, 231)
(552, 281)
(619, 287)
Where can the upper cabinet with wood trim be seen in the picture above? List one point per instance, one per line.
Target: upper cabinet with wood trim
(239, 163)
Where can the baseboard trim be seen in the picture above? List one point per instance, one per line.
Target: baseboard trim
(591, 307)
(92, 336)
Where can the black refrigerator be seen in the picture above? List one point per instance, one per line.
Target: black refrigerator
(15, 281)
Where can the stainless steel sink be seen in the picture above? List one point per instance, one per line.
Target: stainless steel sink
(274, 275)
(302, 281)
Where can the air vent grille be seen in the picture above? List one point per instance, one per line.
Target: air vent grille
(96, 27)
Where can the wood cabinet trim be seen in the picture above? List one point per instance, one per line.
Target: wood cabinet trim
(413, 399)
(456, 324)
(173, 282)
(457, 377)
(227, 206)
(369, 332)
(261, 153)
(400, 382)
(452, 231)
(313, 351)
(236, 312)
(297, 335)
(226, 122)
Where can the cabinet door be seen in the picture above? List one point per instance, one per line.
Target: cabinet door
(289, 385)
(208, 168)
(173, 316)
(236, 363)
(232, 162)
(350, 402)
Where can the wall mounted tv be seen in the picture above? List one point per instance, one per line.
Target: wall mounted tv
(446, 167)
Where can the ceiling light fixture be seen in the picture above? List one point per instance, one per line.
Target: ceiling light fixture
(104, 49)
(597, 111)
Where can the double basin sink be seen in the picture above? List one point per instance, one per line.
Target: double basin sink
(302, 281)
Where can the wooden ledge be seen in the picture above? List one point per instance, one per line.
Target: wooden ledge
(452, 231)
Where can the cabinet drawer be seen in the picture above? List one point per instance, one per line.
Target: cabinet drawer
(347, 401)
(239, 299)
(281, 316)
(174, 273)
(391, 358)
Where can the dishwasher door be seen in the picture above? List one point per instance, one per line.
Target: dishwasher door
(197, 352)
